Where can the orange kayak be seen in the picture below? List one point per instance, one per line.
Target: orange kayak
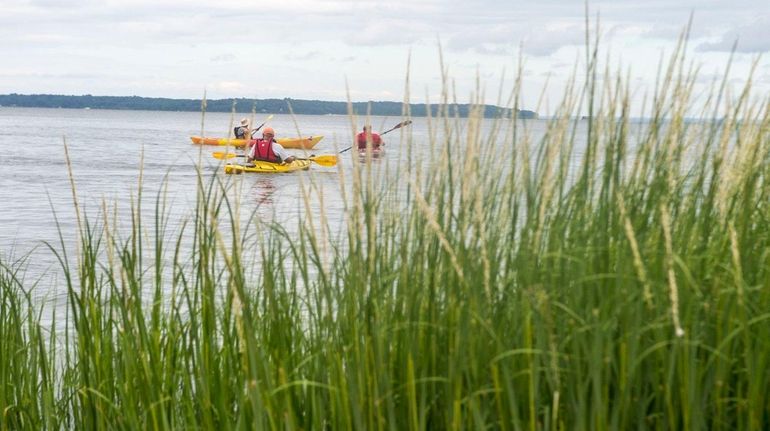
(296, 143)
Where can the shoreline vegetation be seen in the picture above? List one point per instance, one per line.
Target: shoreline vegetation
(622, 284)
(243, 105)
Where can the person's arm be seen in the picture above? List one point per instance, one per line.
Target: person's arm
(282, 153)
(249, 149)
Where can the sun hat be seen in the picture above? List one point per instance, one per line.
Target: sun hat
(244, 121)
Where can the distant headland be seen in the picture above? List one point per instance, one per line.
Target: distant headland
(243, 105)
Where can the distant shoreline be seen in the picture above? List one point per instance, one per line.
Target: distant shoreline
(243, 105)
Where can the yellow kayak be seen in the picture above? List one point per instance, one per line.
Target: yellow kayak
(296, 143)
(267, 167)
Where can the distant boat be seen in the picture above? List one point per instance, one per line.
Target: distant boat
(87, 108)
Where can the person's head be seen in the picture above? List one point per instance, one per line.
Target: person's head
(268, 132)
(367, 128)
(245, 122)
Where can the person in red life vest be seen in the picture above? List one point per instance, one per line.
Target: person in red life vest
(268, 149)
(367, 136)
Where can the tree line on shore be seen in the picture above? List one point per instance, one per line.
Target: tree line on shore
(245, 105)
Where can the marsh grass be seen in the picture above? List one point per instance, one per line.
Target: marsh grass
(484, 292)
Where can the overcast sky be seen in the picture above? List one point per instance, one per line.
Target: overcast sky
(311, 49)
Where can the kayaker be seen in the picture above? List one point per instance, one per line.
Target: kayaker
(367, 135)
(268, 149)
(244, 130)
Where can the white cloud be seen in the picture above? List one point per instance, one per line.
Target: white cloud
(386, 32)
(751, 38)
(223, 58)
(230, 86)
(297, 48)
(303, 56)
(550, 40)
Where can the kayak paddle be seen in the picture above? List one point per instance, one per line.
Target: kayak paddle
(260, 126)
(397, 126)
(323, 159)
(220, 155)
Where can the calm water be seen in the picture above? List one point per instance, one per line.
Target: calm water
(108, 149)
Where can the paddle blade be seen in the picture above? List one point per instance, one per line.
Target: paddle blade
(325, 159)
(222, 156)
(263, 123)
(398, 126)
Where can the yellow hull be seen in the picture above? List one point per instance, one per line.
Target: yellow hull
(267, 167)
(295, 143)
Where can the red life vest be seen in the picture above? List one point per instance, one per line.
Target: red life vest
(361, 139)
(262, 149)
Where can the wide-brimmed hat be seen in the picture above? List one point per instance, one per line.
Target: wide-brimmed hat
(244, 121)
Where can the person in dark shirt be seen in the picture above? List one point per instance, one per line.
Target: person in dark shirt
(244, 130)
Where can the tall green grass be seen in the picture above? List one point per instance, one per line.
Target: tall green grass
(485, 292)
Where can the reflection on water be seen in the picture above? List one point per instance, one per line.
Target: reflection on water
(263, 189)
(371, 154)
